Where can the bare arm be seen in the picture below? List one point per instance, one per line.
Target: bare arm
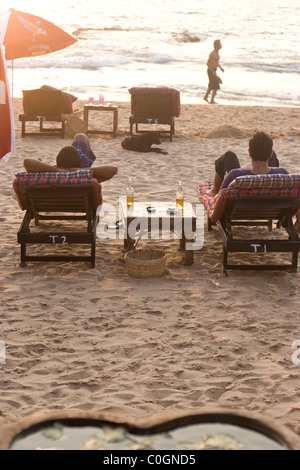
(101, 173)
(104, 173)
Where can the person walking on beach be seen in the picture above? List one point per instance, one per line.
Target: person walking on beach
(213, 63)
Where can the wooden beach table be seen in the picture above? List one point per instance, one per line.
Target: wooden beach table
(101, 108)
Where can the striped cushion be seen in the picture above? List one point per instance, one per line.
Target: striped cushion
(156, 89)
(67, 98)
(266, 181)
(161, 90)
(75, 179)
(60, 174)
(215, 207)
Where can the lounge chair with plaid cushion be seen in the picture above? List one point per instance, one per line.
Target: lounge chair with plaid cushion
(259, 200)
(154, 106)
(65, 197)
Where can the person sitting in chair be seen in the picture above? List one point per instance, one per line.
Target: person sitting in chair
(82, 145)
(263, 161)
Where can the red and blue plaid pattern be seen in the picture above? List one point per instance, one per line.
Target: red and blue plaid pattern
(75, 179)
(215, 207)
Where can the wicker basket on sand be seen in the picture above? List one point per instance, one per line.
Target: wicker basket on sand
(74, 126)
(145, 263)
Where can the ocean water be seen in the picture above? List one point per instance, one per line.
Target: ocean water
(124, 43)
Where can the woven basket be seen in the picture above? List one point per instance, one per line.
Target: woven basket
(145, 263)
(74, 126)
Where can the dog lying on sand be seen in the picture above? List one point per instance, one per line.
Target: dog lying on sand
(143, 143)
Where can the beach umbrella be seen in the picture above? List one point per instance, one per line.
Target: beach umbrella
(7, 130)
(26, 35)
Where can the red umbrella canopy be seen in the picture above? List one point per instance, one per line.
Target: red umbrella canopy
(7, 130)
(26, 35)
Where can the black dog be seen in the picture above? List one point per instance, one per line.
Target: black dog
(142, 143)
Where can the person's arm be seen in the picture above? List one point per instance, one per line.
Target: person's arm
(103, 173)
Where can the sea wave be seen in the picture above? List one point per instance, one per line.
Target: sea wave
(154, 57)
(186, 37)
(83, 63)
(95, 62)
(171, 41)
(81, 31)
(271, 68)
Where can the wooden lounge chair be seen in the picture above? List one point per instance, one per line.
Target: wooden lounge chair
(261, 200)
(46, 104)
(56, 197)
(154, 106)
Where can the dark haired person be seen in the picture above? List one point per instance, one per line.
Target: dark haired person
(69, 159)
(263, 161)
(83, 150)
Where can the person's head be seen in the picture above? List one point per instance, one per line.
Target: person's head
(260, 147)
(68, 157)
(81, 138)
(217, 44)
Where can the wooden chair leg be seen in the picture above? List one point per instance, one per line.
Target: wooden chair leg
(23, 255)
(225, 261)
(23, 129)
(295, 261)
(93, 254)
(63, 128)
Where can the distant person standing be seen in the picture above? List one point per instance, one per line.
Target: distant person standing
(212, 67)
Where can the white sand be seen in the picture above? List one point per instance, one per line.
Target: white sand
(98, 339)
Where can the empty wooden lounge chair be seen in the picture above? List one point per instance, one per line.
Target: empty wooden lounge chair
(262, 200)
(154, 106)
(46, 104)
(56, 197)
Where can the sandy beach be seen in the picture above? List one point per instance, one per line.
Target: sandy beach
(99, 339)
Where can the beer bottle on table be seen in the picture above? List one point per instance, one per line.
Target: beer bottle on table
(129, 193)
(179, 196)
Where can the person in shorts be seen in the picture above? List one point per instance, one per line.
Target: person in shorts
(213, 63)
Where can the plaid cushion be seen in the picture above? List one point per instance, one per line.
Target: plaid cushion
(161, 90)
(67, 98)
(48, 87)
(215, 207)
(266, 181)
(25, 180)
(156, 89)
(61, 174)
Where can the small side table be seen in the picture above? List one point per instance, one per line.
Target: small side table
(99, 107)
(158, 220)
